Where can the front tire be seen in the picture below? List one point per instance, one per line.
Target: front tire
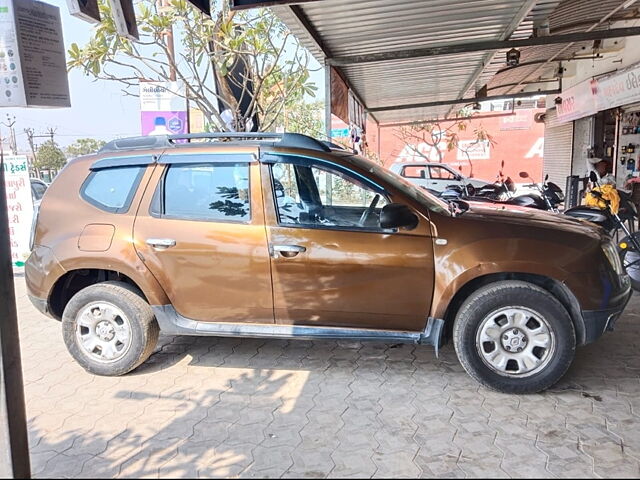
(630, 257)
(514, 337)
(109, 329)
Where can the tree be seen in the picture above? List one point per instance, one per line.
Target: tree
(49, 157)
(84, 146)
(304, 117)
(442, 134)
(249, 50)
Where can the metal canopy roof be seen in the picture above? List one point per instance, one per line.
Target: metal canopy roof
(340, 30)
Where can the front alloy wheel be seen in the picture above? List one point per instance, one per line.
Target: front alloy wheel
(514, 337)
(515, 341)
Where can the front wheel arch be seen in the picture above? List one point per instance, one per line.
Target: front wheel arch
(558, 289)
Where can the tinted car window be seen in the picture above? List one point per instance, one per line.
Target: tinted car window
(208, 191)
(324, 198)
(112, 189)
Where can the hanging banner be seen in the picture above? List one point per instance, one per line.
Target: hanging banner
(595, 95)
(163, 108)
(33, 67)
(577, 102)
(86, 10)
(19, 206)
(621, 88)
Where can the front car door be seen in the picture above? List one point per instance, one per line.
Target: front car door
(200, 231)
(332, 264)
(441, 177)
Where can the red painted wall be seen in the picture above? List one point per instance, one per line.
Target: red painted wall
(519, 142)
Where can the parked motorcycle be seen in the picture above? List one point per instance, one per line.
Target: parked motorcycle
(502, 192)
(613, 223)
(551, 195)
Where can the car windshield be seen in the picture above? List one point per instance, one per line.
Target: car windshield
(420, 195)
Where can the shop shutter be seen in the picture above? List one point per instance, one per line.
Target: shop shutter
(558, 147)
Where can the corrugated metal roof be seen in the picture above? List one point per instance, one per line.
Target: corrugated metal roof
(371, 26)
(358, 27)
(570, 16)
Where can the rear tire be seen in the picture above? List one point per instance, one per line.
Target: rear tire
(109, 329)
(514, 337)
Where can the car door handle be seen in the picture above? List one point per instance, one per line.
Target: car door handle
(161, 243)
(287, 251)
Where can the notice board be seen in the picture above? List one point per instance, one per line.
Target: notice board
(33, 70)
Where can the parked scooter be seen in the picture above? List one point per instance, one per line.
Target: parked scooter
(629, 246)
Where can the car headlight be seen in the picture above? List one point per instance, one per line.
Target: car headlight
(612, 255)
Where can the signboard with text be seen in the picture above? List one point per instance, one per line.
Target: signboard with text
(163, 108)
(19, 205)
(33, 70)
(592, 96)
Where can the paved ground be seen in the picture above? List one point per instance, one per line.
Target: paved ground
(252, 408)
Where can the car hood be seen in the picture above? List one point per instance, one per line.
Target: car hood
(495, 212)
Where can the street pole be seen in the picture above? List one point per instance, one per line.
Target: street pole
(168, 36)
(14, 446)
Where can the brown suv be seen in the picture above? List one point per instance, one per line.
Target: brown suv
(290, 237)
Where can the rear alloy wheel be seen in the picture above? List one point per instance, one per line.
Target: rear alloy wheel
(514, 337)
(109, 329)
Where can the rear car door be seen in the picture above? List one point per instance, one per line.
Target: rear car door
(200, 231)
(332, 264)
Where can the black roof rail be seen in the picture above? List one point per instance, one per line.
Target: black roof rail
(135, 143)
(223, 135)
(334, 146)
(292, 140)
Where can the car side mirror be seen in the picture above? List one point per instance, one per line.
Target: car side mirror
(397, 215)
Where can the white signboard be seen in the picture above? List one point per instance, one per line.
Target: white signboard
(577, 102)
(162, 97)
(33, 70)
(619, 89)
(19, 205)
(474, 150)
(592, 96)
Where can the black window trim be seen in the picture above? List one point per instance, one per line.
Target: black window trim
(129, 198)
(349, 172)
(156, 206)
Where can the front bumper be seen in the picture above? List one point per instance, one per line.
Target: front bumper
(596, 322)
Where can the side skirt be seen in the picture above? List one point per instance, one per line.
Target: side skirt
(172, 323)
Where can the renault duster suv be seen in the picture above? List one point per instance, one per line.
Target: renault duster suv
(288, 237)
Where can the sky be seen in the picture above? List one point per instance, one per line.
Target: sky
(98, 110)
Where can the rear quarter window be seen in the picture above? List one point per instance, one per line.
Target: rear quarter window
(112, 189)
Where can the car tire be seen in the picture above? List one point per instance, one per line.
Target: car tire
(109, 329)
(514, 337)
(630, 258)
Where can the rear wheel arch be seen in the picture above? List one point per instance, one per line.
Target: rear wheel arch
(556, 288)
(72, 281)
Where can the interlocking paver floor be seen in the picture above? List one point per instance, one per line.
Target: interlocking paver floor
(266, 408)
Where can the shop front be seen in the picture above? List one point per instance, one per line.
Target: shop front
(601, 116)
